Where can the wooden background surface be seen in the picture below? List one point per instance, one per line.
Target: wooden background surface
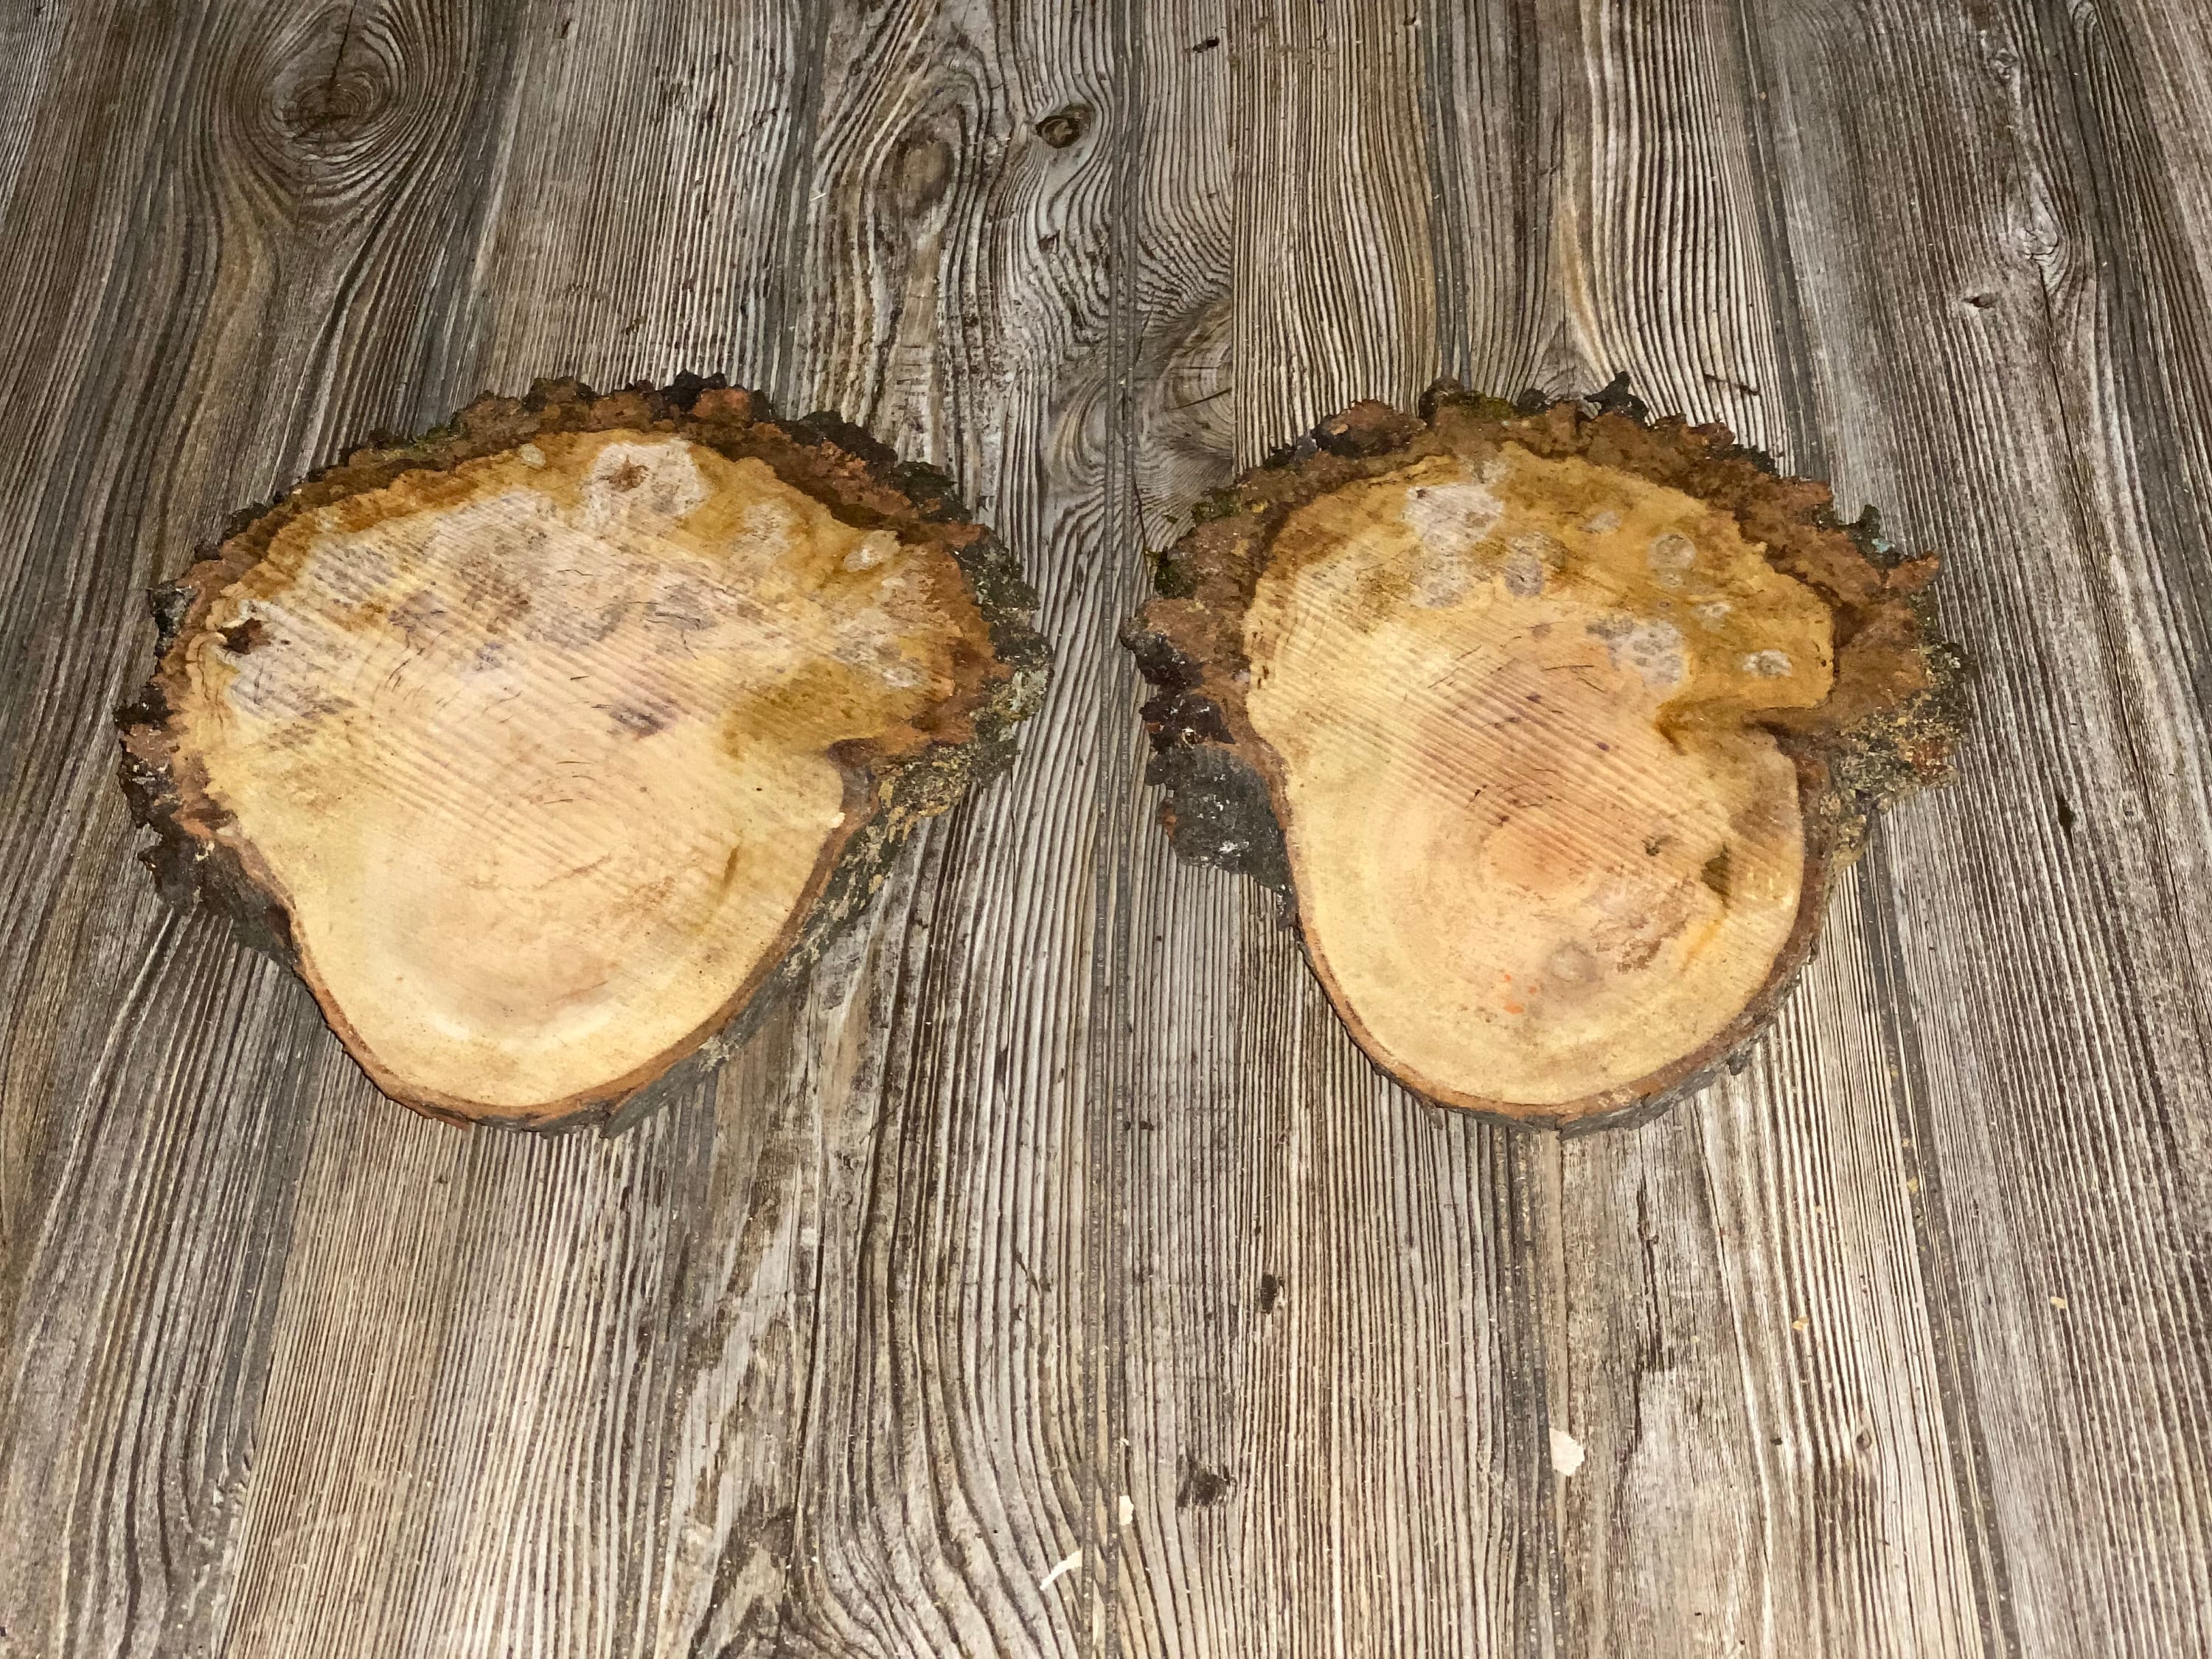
(1060, 1224)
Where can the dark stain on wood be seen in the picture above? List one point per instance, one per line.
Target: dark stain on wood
(1063, 127)
(1199, 1486)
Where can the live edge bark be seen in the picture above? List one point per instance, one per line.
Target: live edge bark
(1886, 725)
(962, 741)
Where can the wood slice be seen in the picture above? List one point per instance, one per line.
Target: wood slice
(1553, 720)
(543, 745)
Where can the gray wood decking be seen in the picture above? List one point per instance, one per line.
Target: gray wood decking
(1061, 1218)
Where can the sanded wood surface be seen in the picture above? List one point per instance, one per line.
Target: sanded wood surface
(1054, 1275)
(548, 751)
(1550, 722)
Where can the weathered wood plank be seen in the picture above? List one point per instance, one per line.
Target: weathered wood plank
(650, 197)
(199, 243)
(830, 1342)
(1998, 386)
(953, 1435)
(1335, 1445)
(1741, 1348)
(1494, 95)
(474, 1424)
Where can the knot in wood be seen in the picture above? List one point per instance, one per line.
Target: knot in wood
(330, 109)
(1064, 127)
(924, 169)
(337, 108)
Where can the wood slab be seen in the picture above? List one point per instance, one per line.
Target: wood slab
(1060, 1222)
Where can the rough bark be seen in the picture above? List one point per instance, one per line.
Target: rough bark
(546, 746)
(1553, 722)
